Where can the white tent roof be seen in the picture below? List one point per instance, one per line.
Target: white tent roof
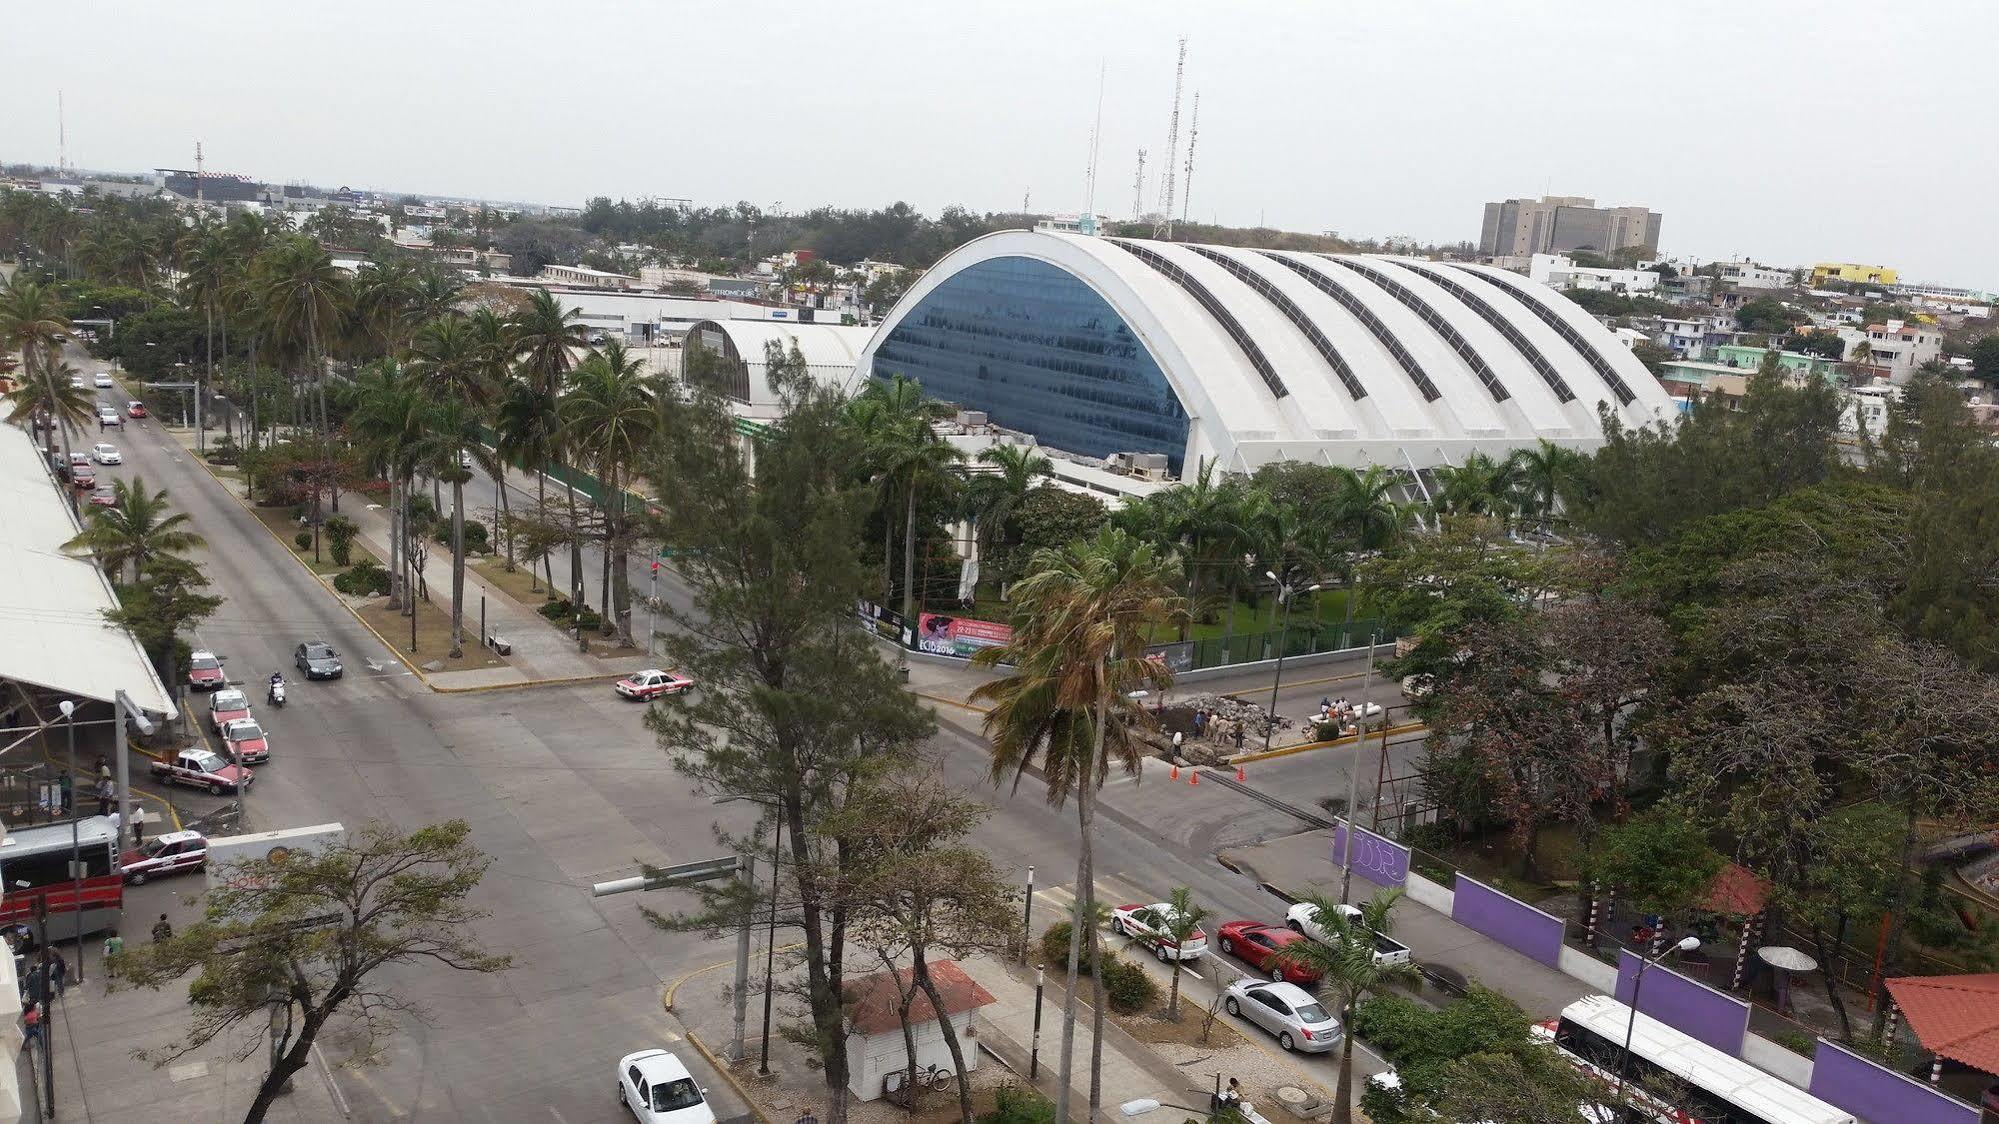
(52, 629)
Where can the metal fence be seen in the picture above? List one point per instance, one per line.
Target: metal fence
(1301, 639)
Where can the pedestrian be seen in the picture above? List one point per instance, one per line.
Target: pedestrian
(113, 944)
(67, 785)
(31, 1025)
(1238, 737)
(1200, 722)
(103, 770)
(107, 797)
(138, 827)
(58, 971)
(163, 929)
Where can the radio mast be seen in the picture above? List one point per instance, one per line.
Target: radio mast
(1167, 191)
(1138, 189)
(1193, 135)
(1087, 221)
(62, 137)
(200, 196)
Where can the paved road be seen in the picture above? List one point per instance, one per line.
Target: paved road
(563, 787)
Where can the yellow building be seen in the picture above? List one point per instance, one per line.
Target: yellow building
(1852, 274)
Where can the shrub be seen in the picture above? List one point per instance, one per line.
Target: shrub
(340, 532)
(365, 578)
(475, 535)
(1127, 987)
(224, 451)
(303, 539)
(563, 612)
(1013, 1104)
(1055, 950)
(555, 608)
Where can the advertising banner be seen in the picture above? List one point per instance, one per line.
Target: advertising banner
(1177, 657)
(958, 636)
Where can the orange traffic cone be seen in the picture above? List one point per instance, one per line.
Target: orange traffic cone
(1240, 776)
(1193, 777)
(1176, 771)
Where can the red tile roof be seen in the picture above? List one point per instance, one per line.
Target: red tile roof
(873, 1001)
(1955, 1016)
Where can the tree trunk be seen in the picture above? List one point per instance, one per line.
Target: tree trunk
(395, 542)
(908, 1042)
(505, 524)
(888, 556)
(1828, 971)
(1343, 1088)
(576, 569)
(457, 566)
(1173, 998)
(1086, 793)
(909, 560)
(1898, 909)
(294, 1059)
(822, 966)
(929, 986)
(1082, 919)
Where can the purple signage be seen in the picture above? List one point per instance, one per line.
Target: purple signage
(1508, 920)
(1688, 1006)
(1374, 858)
(1872, 1092)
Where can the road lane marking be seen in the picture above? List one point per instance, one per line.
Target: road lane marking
(332, 1086)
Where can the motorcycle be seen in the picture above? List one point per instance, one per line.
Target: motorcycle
(276, 696)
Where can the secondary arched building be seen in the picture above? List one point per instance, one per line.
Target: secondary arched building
(1101, 346)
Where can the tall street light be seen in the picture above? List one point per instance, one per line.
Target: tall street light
(1285, 593)
(1685, 944)
(770, 940)
(75, 847)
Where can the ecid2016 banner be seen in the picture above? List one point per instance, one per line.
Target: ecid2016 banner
(958, 636)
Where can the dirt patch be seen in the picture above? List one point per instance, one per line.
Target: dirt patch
(1153, 1027)
(433, 634)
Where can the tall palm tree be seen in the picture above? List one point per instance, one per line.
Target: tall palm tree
(34, 322)
(611, 417)
(451, 431)
(528, 424)
(907, 450)
(137, 530)
(389, 422)
(547, 335)
(52, 400)
(494, 338)
(1080, 622)
(1544, 475)
(1479, 486)
(305, 299)
(995, 496)
(1347, 966)
(384, 294)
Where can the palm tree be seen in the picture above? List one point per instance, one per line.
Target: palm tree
(389, 421)
(494, 339)
(304, 297)
(1080, 621)
(611, 416)
(33, 321)
(1479, 486)
(136, 530)
(1545, 474)
(546, 335)
(1347, 965)
(907, 450)
(528, 424)
(1182, 920)
(451, 431)
(384, 293)
(994, 497)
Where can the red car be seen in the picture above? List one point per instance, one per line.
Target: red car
(653, 683)
(243, 742)
(1258, 945)
(135, 409)
(104, 495)
(204, 672)
(83, 476)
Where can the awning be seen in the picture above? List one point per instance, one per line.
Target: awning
(1956, 1017)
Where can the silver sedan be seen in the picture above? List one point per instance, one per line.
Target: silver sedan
(1286, 1010)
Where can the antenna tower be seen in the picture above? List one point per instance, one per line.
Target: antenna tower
(1138, 189)
(62, 137)
(200, 196)
(1167, 190)
(1193, 135)
(1088, 220)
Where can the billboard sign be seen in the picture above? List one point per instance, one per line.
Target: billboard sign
(227, 852)
(958, 636)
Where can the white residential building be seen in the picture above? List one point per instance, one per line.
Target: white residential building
(1866, 408)
(1560, 272)
(582, 275)
(1895, 349)
(1747, 274)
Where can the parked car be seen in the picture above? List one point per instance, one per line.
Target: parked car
(102, 380)
(1304, 917)
(135, 409)
(1286, 1010)
(245, 742)
(196, 767)
(176, 852)
(652, 683)
(1261, 947)
(1149, 924)
(657, 1089)
(104, 495)
(226, 706)
(318, 660)
(106, 453)
(204, 672)
(82, 476)
(79, 459)
(76, 382)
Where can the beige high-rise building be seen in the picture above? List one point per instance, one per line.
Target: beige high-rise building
(1555, 224)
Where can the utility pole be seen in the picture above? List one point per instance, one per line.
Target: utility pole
(1167, 190)
(207, 341)
(1193, 135)
(688, 874)
(1138, 189)
(1353, 773)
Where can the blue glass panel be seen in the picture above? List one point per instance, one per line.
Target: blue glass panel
(1040, 352)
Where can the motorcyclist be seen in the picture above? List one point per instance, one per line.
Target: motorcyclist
(277, 684)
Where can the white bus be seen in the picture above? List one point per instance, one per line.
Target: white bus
(1676, 1078)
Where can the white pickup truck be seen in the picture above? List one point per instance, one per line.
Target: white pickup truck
(1304, 917)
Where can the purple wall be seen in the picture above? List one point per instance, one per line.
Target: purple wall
(1508, 920)
(1374, 858)
(1690, 1007)
(1871, 1092)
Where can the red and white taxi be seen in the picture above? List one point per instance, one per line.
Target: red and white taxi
(653, 683)
(1153, 925)
(226, 706)
(244, 742)
(176, 852)
(204, 672)
(135, 409)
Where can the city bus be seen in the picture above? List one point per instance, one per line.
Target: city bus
(1676, 1079)
(39, 857)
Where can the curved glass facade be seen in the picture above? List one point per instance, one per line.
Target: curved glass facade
(1039, 351)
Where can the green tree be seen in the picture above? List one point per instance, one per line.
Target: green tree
(314, 932)
(1985, 358)
(1766, 314)
(1527, 1086)
(304, 298)
(34, 322)
(1182, 920)
(612, 415)
(993, 497)
(1659, 860)
(1048, 518)
(1544, 475)
(1080, 622)
(906, 449)
(137, 531)
(1349, 970)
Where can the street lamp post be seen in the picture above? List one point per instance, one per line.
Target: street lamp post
(1285, 593)
(1353, 769)
(770, 940)
(75, 845)
(1685, 944)
(1027, 918)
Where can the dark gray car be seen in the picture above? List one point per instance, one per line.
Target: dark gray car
(318, 660)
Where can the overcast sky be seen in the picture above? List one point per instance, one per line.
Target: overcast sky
(1789, 132)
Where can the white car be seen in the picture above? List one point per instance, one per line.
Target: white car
(106, 454)
(658, 1090)
(108, 416)
(1150, 924)
(76, 382)
(1286, 1010)
(102, 380)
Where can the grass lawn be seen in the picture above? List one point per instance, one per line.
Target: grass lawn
(526, 588)
(283, 522)
(433, 633)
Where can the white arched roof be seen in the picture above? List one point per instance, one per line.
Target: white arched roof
(831, 350)
(1346, 359)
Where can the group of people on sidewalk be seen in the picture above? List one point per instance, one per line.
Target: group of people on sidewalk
(105, 788)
